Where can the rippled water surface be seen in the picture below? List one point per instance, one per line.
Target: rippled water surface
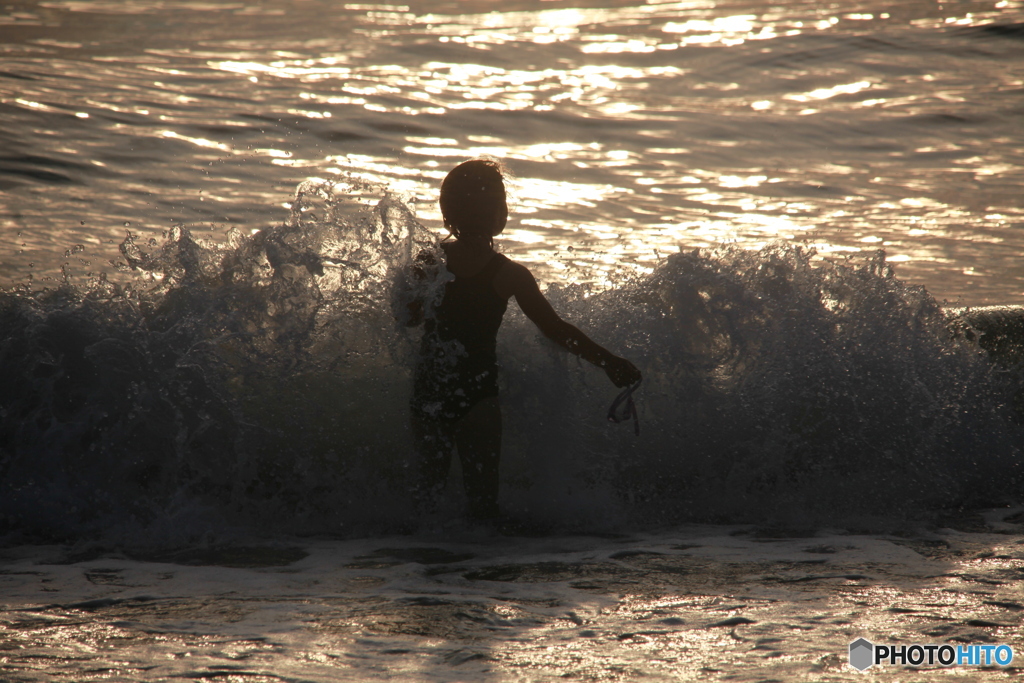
(249, 374)
(634, 130)
(697, 604)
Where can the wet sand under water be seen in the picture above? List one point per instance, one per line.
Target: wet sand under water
(697, 602)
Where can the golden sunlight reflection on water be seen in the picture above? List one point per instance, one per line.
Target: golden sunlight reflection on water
(632, 130)
(681, 604)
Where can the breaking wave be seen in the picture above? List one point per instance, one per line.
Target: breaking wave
(263, 383)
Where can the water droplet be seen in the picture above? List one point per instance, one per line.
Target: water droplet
(127, 224)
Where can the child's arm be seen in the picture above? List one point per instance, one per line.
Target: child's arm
(518, 281)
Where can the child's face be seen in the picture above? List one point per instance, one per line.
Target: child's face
(501, 217)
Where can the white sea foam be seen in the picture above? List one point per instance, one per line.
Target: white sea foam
(265, 383)
(694, 602)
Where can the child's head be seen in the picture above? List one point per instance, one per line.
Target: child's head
(473, 199)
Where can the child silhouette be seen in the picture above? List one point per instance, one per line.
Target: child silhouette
(455, 392)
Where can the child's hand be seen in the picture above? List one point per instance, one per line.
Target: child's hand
(621, 372)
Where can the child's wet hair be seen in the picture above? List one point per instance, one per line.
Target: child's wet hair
(472, 196)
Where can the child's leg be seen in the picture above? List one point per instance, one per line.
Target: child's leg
(434, 444)
(478, 437)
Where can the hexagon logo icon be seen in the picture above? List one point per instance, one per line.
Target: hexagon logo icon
(862, 654)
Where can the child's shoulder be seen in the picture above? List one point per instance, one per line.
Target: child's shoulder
(513, 278)
(513, 266)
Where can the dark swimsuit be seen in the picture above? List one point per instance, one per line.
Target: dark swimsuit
(458, 360)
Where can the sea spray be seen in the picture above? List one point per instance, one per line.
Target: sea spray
(264, 378)
(263, 383)
(777, 386)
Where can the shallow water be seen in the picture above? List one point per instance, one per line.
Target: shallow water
(694, 603)
(635, 129)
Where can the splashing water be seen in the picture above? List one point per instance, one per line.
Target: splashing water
(778, 389)
(264, 382)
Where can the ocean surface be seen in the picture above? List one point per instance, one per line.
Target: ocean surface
(635, 130)
(789, 215)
